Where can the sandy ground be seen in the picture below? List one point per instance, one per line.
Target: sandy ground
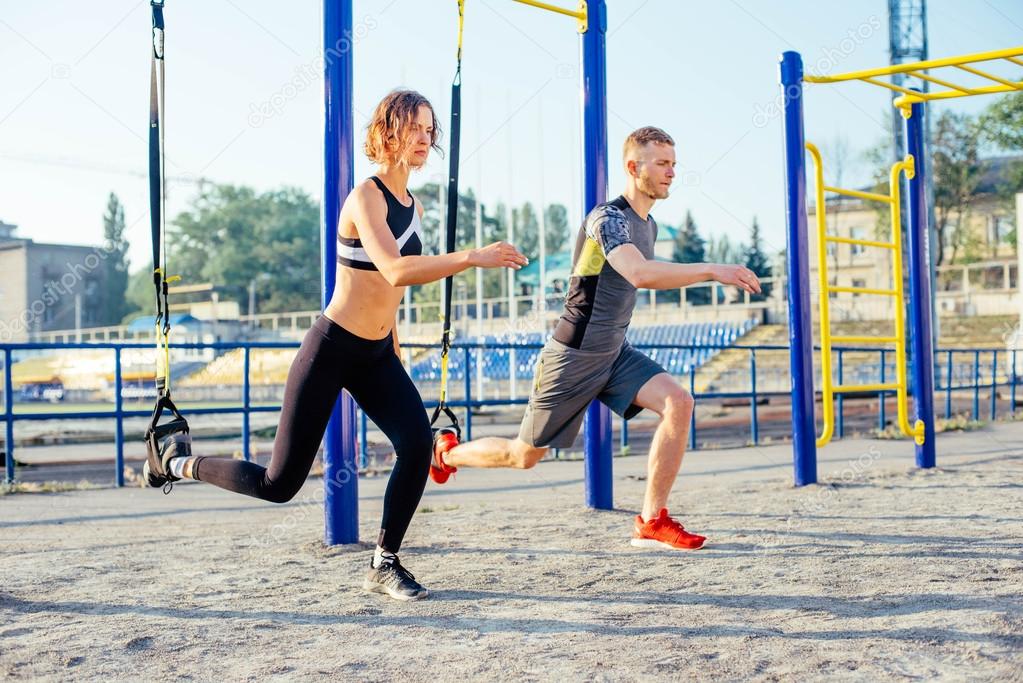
(884, 573)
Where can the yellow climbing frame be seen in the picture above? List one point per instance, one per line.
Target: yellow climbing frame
(829, 388)
(963, 63)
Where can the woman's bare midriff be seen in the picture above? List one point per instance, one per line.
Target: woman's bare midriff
(364, 303)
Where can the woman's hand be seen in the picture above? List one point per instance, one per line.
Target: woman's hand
(498, 255)
(740, 276)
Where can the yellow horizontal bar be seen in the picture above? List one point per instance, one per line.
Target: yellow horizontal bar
(1014, 60)
(851, 388)
(918, 66)
(853, 240)
(863, 290)
(949, 94)
(948, 84)
(855, 339)
(984, 74)
(871, 196)
(580, 15)
(891, 86)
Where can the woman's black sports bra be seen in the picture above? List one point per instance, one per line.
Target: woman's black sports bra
(404, 224)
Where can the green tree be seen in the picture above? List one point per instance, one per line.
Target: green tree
(956, 170)
(1002, 121)
(527, 232)
(691, 248)
(756, 260)
(232, 235)
(723, 250)
(115, 265)
(493, 228)
(1002, 125)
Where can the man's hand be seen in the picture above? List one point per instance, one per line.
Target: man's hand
(740, 276)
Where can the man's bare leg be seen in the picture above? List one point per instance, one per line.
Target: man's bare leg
(494, 452)
(663, 395)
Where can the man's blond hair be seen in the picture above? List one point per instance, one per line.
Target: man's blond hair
(643, 136)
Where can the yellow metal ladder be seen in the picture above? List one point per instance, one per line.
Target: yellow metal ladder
(829, 389)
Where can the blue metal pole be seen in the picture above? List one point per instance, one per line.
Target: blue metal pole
(119, 421)
(841, 404)
(624, 450)
(881, 407)
(976, 385)
(804, 435)
(9, 415)
(919, 254)
(754, 426)
(598, 457)
(692, 418)
(340, 478)
(1012, 385)
(948, 389)
(994, 382)
(246, 404)
(363, 453)
(468, 394)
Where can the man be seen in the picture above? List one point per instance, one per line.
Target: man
(588, 356)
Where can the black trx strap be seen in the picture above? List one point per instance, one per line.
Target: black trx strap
(452, 225)
(156, 433)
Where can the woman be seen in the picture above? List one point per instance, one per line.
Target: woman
(353, 346)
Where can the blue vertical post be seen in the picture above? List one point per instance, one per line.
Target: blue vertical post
(840, 418)
(994, 383)
(467, 389)
(976, 385)
(754, 426)
(1012, 385)
(920, 287)
(948, 387)
(118, 421)
(246, 403)
(881, 396)
(363, 452)
(341, 494)
(692, 417)
(9, 414)
(598, 457)
(804, 437)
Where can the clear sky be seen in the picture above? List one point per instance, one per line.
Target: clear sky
(74, 100)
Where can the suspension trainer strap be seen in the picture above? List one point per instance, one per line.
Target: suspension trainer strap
(452, 221)
(156, 198)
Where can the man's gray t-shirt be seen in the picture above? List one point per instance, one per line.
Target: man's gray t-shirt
(600, 301)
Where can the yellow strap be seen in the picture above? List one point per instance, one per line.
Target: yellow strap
(443, 379)
(461, 23)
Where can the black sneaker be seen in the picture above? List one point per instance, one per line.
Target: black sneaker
(394, 580)
(156, 470)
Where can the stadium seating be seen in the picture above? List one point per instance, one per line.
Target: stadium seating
(497, 362)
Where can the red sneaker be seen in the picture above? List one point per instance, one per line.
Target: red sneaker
(664, 532)
(443, 441)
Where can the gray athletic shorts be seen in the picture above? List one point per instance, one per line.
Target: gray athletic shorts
(566, 380)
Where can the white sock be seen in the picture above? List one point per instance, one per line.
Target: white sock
(177, 466)
(380, 556)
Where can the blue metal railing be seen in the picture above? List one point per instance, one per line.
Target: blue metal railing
(950, 377)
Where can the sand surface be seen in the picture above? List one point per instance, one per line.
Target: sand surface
(883, 573)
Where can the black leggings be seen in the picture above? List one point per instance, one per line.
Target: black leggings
(332, 359)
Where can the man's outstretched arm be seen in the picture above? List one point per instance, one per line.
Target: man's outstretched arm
(646, 273)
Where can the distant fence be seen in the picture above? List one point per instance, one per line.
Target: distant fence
(981, 371)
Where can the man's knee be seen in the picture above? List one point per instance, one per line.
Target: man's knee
(525, 456)
(678, 406)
